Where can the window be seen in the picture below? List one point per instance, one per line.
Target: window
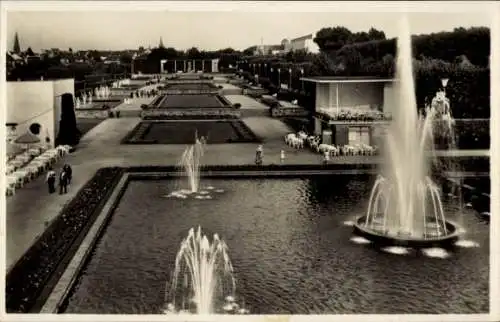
(359, 135)
(35, 128)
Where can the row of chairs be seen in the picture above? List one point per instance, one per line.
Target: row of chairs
(301, 139)
(36, 161)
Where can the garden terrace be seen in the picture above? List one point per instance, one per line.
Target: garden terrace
(32, 278)
(215, 132)
(192, 101)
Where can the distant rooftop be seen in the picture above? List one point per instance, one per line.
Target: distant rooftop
(347, 79)
(309, 36)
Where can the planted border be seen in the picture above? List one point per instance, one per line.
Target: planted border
(33, 277)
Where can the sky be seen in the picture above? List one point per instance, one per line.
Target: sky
(115, 30)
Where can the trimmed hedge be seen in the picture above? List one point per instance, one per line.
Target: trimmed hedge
(472, 134)
(32, 278)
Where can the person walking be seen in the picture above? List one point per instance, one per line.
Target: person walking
(259, 155)
(326, 157)
(63, 182)
(69, 173)
(282, 156)
(51, 181)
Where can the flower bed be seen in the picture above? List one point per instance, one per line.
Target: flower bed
(36, 273)
(190, 113)
(288, 111)
(353, 115)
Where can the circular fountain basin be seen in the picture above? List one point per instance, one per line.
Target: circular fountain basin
(378, 237)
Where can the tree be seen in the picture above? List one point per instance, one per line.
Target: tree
(126, 58)
(69, 134)
(360, 37)
(332, 38)
(374, 34)
(249, 51)
(227, 51)
(29, 52)
(193, 53)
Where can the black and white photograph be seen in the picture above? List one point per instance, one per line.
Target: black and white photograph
(171, 161)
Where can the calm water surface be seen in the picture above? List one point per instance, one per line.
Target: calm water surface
(290, 249)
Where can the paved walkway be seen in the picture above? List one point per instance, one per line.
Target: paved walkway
(246, 102)
(32, 207)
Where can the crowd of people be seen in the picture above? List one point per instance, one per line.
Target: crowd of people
(65, 176)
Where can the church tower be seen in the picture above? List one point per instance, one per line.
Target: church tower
(17, 47)
(161, 43)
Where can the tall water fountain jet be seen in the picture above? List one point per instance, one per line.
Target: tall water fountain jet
(203, 277)
(405, 204)
(190, 165)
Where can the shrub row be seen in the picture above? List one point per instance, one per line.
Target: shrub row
(37, 272)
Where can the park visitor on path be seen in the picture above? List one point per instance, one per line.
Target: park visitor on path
(51, 180)
(282, 156)
(326, 157)
(69, 173)
(259, 155)
(63, 182)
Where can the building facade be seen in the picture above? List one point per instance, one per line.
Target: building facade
(30, 102)
(189, 65)
(304, 43)
(351, 96)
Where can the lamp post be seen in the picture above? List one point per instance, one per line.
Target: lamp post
(302, 73)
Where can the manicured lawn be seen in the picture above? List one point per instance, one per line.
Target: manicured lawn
(175, 132)
(191, 101)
